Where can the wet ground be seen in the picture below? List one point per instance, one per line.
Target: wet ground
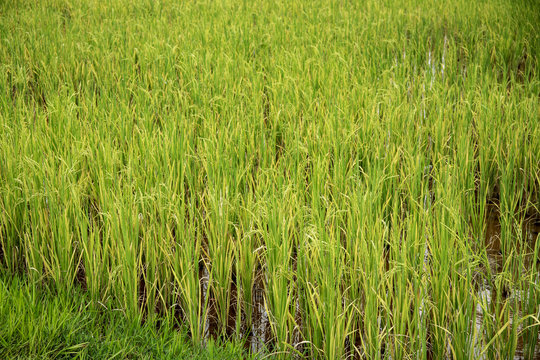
(486, 293)
(258, 333)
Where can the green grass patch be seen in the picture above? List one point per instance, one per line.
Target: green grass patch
(37, 323)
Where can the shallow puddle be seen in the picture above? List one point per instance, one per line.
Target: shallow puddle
(260, 326)
(486, 294)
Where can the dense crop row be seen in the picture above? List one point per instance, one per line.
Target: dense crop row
(327, 178)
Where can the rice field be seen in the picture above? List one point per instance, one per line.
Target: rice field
(313, 179)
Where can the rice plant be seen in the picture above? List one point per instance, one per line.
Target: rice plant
(323, 179)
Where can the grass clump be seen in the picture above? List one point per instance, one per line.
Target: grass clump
(38, 323)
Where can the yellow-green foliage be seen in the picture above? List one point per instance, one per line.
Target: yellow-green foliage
(173, 157)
